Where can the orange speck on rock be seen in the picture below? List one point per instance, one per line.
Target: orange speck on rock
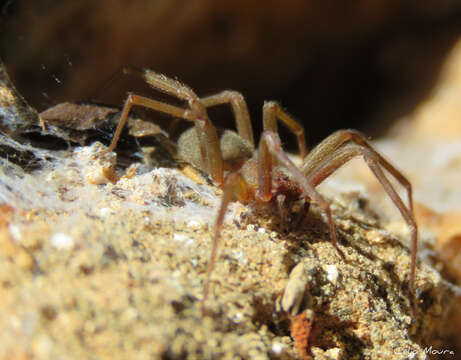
(300, 330)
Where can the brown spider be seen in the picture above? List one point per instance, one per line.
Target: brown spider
(257, 174)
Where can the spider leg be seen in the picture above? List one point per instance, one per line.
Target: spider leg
(133, 100)
(345, 153)
(206, 132)
(234, 186)
(167, 85)
(338, 139)
(273, 111)
(209, 148)
(240, 109)
(407, 214)
(269, 146)
(282, 209)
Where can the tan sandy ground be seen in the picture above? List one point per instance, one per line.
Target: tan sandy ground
(118, 272)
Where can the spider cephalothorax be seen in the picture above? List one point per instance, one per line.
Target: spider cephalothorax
(265, 174)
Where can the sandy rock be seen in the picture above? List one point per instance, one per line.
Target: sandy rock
(118, 271)
(131, 282)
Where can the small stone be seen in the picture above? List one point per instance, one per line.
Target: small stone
(15, 232)
(61, 241)
(375, 237)
(277, 348)
(183, 239)
(332, 273)
(193, 224)
(105, 211)
(333, 353)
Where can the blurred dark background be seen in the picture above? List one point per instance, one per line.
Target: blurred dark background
(332, 64)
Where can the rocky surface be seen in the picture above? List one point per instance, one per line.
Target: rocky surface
(102, 261)
(120, 273)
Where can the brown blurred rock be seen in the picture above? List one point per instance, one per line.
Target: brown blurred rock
(438, 118)
(333, 65)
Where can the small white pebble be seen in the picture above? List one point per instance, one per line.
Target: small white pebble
(375, 236)
(346, 225)
(332, 273)
(240, 257)
(15, 232)
(183, 239)
(179, 237)
(407, 320)
(105, 211)
(238, 317)
(262, 230)
(193, 224)
(250, 227)
(61, 241)
(277, 348)
(333, 353)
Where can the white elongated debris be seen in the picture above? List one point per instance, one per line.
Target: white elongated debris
(294, 291)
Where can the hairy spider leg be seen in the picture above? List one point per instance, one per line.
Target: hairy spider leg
(239, 108)
(234, 186)
(338, 139)
(342, 152)
(273, 111)
(269, 146)
(138, 100)
(408, 216)
(206, 132)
